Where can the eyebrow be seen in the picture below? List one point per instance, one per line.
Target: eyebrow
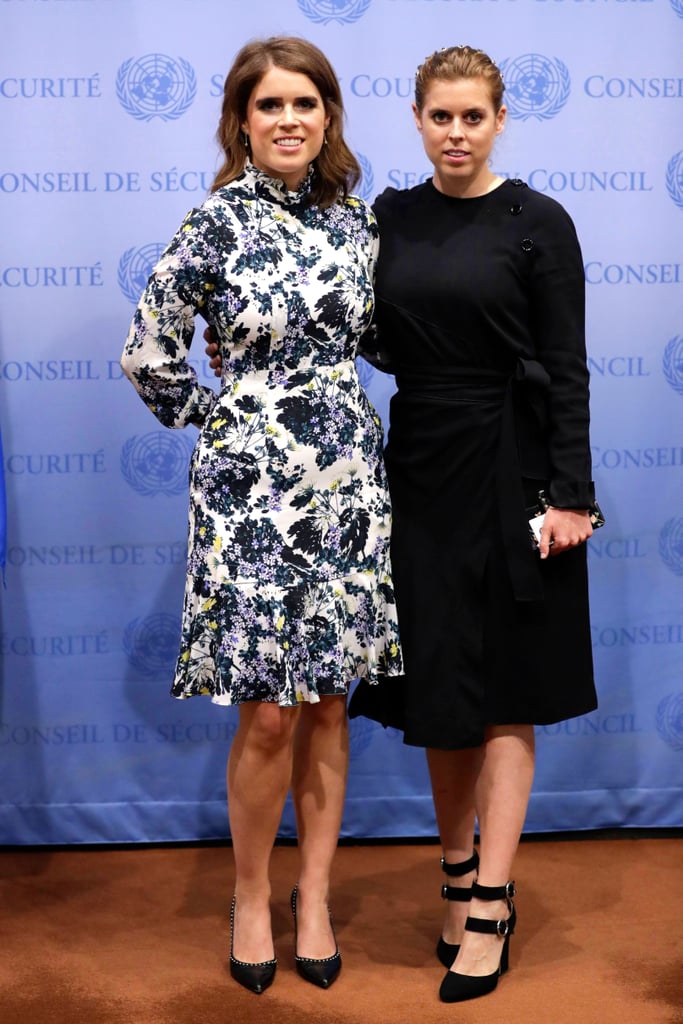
(440, 109)
(279, 99)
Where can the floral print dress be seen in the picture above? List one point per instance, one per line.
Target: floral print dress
(288, 594)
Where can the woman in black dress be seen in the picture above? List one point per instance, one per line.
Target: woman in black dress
(480, 316)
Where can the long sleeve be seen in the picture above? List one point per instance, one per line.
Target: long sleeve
(557, 304)
(155, 354)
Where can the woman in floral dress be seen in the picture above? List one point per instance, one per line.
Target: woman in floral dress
(289, 593)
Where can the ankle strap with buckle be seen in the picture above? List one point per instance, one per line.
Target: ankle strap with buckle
(501, 928)
(458, 870)
(459, 893)
(493, 892)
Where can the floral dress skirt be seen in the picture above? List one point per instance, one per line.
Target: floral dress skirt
(288, 595)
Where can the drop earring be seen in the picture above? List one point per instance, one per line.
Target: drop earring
(245, 140)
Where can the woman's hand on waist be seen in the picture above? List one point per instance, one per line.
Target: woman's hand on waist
(213, 352)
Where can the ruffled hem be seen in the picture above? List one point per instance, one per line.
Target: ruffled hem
(286, 645)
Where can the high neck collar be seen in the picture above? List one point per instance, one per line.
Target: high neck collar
(275, 189)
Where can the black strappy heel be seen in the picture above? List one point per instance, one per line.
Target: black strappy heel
(447, 951)
(456, 988)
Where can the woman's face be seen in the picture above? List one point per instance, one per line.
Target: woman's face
(285, 122)
(459, 125)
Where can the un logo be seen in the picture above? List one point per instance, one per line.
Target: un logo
(670, 720)
(672, 363)
(156, 86)
(361, 733)
(674, 178)
(535, 86)
(343, 11)
(156, 463)
(135, 267)
(366, 186)
(151, 644)
(671, 545)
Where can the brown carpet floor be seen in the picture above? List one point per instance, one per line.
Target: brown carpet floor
(140, 936)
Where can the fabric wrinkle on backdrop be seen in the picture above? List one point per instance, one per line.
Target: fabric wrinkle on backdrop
(108, 114)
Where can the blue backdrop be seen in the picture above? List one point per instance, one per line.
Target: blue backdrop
(107, 116)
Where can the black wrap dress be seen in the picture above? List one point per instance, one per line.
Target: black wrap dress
(480, 317)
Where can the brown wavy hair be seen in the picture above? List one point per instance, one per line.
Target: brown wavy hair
(336, 169)
(458, 62)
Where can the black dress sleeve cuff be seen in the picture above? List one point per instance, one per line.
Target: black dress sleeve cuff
(571, 493)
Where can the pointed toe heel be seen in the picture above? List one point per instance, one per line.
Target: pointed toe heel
(256, 977)
(321, 972)
(447, 951)
(456, 988)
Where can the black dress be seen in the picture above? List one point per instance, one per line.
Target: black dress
(480, 316)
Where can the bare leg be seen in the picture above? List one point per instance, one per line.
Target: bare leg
(321, 756)
(501, 799)
(259, 774)
(453, 776)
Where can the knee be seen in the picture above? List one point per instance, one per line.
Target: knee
(328, 714)
(269, 727)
